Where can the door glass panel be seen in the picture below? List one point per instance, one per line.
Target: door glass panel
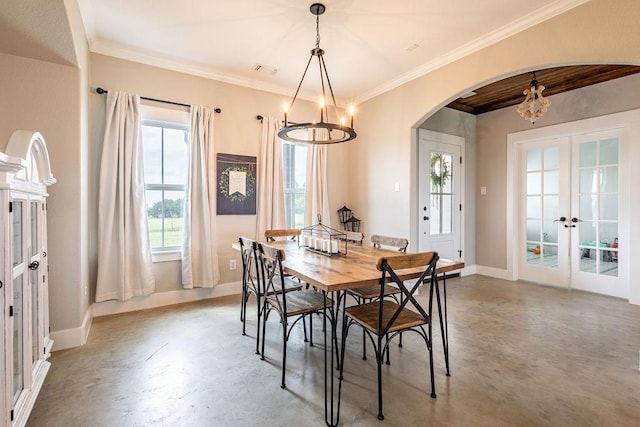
(35, 317)
(609, 151)
(551, 158)
(609, 207)
(17, 242)
(447, 219)
(34, 228)
(587, 233)
(588, 207)
(550, 232)
(551, 182)
(534, 160)
(533, 231)
(441, 167)
(609, 179)
(434, 220)
(550, 256)
(534, 207)
(551, 207)
(534, 254)
(588, 153)
(588, 181)
(534, 183)
(18, 338)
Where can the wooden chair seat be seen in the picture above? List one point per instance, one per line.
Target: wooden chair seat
(289, 285)
(367, 316)
(372, 292)
(302, 302)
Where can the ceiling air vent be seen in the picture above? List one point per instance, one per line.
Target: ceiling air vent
(265, 69)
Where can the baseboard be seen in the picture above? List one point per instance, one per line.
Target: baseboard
(75, 337)
(162, 299)
(468, 271)
(498, 273)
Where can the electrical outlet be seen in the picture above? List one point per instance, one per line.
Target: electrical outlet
(232, 264)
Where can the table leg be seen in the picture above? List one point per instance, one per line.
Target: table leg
(444, 327)
(331, 404)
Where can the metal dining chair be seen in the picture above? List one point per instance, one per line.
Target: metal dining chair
(368, 294)
(384, 319)
(251, 284)
(288, 305)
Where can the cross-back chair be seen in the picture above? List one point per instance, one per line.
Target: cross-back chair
(273, 234)
(367, 294)
(288, 305)
(252, 284)
(384, 319)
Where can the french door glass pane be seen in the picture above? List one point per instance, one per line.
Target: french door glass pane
(588, 207)
(551, 207)
(534, 183)
(551, 182)
(588, 181)
(447, 217)
(534, 207)
(588, 153)
(18, 337)
(609, 207)
(550, 256)
(609, 151)
(534, 160)
(17, 243)
(533, 231)
(435, 219)
(551, 158)
(609, 179)
(35, 317)
(550, 232)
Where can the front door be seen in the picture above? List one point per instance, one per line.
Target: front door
(570, 212)
(440, 187)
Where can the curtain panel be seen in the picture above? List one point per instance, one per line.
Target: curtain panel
(317, 191)
(199, 252)
(270, 182)
(124, 253)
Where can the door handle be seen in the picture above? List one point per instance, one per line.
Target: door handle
(561, 219)
(34, 265)
(425, 218)
(574, 219)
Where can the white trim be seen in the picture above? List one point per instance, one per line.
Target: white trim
(75, 337)
(469, 271)
(165, 256)
(162, 299)
(23, 409)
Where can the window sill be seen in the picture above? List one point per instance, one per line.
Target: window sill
(166, 256)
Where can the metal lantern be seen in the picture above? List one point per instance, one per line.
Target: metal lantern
(353, 224)
(345, 214)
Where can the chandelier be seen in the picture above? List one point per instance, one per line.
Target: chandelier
(323, 131)
(534, 104)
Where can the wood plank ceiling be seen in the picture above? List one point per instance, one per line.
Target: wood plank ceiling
(508, 92)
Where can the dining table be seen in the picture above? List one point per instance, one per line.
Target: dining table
(334, 274)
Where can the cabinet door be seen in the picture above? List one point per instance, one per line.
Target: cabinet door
(19, 304)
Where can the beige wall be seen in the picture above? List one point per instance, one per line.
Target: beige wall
(236, 131)
(601, 31)
(44, 97)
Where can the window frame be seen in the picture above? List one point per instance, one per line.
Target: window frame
(165, 253)
(290, 218)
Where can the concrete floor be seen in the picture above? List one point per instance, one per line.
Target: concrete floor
(521, 355)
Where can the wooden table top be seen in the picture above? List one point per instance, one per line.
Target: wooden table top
(337, 273)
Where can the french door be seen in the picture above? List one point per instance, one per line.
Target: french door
(440, 187)
(570, 209)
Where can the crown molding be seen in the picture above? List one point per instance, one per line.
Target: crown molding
(517, 26)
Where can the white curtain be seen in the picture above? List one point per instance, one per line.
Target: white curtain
(317, 192)
(124, 254)
(270, 184)
(199, 253)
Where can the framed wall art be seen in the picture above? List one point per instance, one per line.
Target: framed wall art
(236, 193)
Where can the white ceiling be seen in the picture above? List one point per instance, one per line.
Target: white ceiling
(371, 45)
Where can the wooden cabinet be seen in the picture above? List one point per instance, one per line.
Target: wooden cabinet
(25, 174)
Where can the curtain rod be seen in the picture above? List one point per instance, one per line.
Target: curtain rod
(100, 91)
(259, 117)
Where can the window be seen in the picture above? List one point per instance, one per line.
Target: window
(294, 165)
(165, 146)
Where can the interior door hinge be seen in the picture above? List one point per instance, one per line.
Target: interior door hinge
(10, 311)
(460, 207)
(12, 415)
(460, 159)
(460, 254)
(10, 207)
